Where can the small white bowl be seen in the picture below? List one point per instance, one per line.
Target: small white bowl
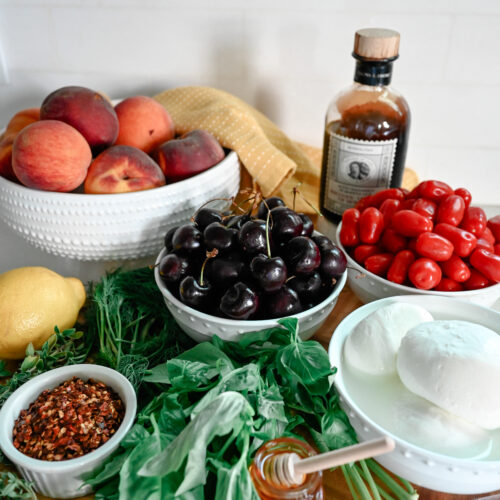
(368, 286)
(92, 227)
(64, 479)
(414, 463)
(201, 327)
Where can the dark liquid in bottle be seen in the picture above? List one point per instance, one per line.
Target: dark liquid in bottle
(372, 121)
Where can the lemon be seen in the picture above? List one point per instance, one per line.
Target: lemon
(32, 301)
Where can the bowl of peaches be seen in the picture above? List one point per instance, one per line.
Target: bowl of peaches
(84, 178)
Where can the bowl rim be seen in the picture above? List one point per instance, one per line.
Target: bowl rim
(31, 390)
(338, 287)
(335, 352)
(407, 290)
(230, 158)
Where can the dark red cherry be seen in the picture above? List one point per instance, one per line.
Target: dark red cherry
(308, 226)
(269, 273)
(286, 224)
(206, 216)
(302, 255)
(308, 288)
(272, 202)
(168, 238)
(333, 263)
(239, 301)
(252, 237)
(173, 268)
(187, 238)
(284, 302)
(324, 243)
(222, 272)
(216, 235)
(193, 294)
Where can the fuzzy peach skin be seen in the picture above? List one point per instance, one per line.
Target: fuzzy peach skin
(121, 169)
(51, 155)
(19, 121)
(188, 155)
(87, 111)
(144, 123)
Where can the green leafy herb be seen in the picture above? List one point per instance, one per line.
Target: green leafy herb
(12, 486)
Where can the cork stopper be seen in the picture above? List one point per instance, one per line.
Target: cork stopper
(376, 43)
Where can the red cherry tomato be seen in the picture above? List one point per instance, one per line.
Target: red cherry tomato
(409, 223)
(451, 210)
(393, 193)
(424, 207)
(425, 274)
(456, 269)
(407, 204)
(488, 236)
(412, 245)
(434, 247)
(371, 225)
(349, 235)
(476, 280)
(388, 208)
(434, 190)
(463, 242)
(494, 226)
(497, 249)
(487, 263)
(378, 264)
(363, 203)
(449, 285)
(485, 245)
(392, 241)
(465, 194)
(362, 252)
(413, 194)
(398, 270)
(474, 221)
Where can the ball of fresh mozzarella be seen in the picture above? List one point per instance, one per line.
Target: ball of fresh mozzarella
(456, 366)
(372, 345)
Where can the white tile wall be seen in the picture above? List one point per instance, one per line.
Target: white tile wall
(286, 57)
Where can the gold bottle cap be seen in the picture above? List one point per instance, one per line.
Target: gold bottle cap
(376, 43)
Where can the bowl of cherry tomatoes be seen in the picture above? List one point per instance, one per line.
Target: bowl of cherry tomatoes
(427, 241)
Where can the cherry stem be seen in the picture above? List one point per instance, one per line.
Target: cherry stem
(210, 255)
(290, 278)
(296, 191)
(267, 228)
(231, 200)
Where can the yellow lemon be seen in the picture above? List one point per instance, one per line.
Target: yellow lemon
(32, 301)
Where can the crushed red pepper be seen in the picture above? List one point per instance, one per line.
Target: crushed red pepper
(68, 421)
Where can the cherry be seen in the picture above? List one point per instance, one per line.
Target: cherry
(219, 236)
(323, 242)
(236, 221)
(194, 294)
(174, 268)
(252, 237)
(272, 202)
(187, 238)
(308, 288)
(206, 216)
(239, 301)
(286, 224)
(284, 302)
(222, 272)
(302, 255)
(269, 272)
(333, 263)
(308, 226)
(168, 238)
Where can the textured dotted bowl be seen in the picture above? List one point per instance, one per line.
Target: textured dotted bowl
(368, 286)
(418, 465)
(201, 327)
(112, 226)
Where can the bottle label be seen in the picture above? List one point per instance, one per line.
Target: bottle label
(356, 168)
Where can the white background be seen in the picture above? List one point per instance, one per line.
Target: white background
(286, 57)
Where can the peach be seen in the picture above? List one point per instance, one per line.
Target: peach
(51, 155)
(191, 154)
(19, 121)
(144, 123)
(121, 169)
(87, 111)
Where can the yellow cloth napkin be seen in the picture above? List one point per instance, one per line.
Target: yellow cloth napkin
(274, 162)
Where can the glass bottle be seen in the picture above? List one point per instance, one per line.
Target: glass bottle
(366, 128)
(263, 475)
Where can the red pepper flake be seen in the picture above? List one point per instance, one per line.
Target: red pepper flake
(68, 421)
